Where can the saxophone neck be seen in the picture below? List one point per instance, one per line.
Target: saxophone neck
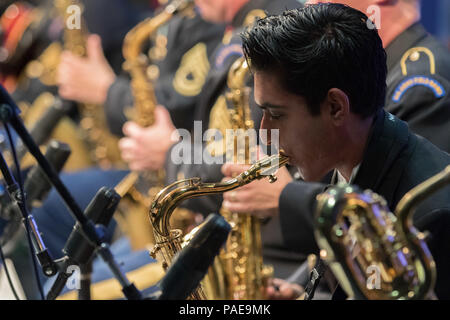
(75, 30)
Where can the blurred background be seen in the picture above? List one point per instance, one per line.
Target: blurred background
(436, 18)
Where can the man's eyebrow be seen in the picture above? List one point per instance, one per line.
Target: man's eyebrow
(267, 105)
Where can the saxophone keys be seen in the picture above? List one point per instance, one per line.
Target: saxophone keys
(272, 178)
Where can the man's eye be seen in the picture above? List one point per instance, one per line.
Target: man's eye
(275, 116)
(272, 115)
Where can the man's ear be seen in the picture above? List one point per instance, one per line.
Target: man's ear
(338, 105)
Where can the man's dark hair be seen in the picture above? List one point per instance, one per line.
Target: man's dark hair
(320, 47)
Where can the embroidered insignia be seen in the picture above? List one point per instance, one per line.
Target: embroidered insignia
(425, 81)
(226, 52)
(191, 75)
(414, 55)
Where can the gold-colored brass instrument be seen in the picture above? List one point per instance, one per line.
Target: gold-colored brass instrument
(136, 62)
(143, 186)
(168, 240)
(374, 253)
(246, 276)
(102, 144)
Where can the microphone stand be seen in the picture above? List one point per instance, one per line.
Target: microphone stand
(85, 281)
(9, 114)
(48, 266)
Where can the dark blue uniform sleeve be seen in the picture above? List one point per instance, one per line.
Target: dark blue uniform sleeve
(118, 98)
(297, 204)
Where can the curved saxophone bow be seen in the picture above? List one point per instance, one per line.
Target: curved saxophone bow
(171, 196)
(374, 253)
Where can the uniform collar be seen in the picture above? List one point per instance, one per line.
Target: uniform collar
(388, 139)
(406, 40)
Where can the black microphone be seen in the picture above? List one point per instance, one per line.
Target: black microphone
(78, 250)
(45, 125)
(100, 210)
(36, 184)
(191, 264)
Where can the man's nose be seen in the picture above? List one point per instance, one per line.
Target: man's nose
(265, 130)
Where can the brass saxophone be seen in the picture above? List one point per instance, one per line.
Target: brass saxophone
(136, 62)
(102, 144)
(374, 253)
(246, 276)
(168, 240)
(143, 186)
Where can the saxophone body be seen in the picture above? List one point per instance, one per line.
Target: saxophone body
(246, 276)
(169, 241)
(374, 253)
(102, 145)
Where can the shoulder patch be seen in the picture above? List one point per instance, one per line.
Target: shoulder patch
(424, 81)
(227, 51)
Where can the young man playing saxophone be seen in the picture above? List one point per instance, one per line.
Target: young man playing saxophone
(410, 53)
(328, 107)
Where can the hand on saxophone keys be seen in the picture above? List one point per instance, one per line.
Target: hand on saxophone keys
(146, 148)
(85, 79)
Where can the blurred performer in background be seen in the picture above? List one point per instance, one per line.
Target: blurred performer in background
(85, 184)
(418, 84)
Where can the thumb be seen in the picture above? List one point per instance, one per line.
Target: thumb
(226, 170)
(131, 129)
(162, 116)
(94, 48)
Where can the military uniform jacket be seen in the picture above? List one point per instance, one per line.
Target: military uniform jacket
(395, 161)
(418, 84)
